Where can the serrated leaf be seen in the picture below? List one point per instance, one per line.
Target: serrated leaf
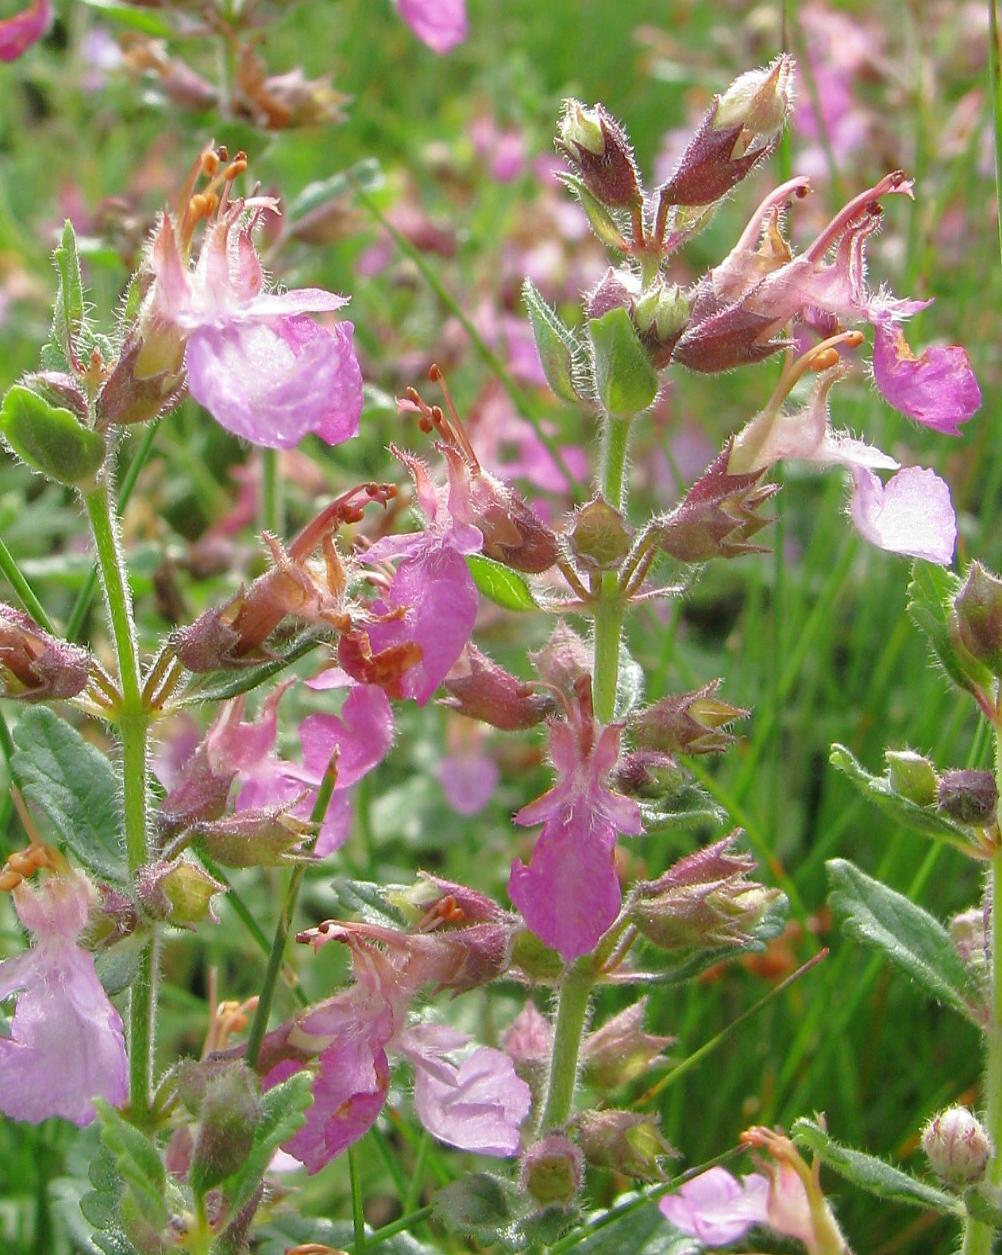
(911, 938)
(930, 601)
(142, 1209)
(558, 350)
(500, 584)
(924, 820)
(68, 310)
(283, 1111)
(368, 901)
(625, 380)
(137, 19)
(75, 785)
(599, 219)
(873, 1174)
(366, 174)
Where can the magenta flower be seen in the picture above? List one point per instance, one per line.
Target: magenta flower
(717, 1207)
(441, 24)
(66, 1045)
(938, 389)
(581, 819)
(262, 367)
(19, 32)
(910, 514)
(431, 601)
(476, 1104)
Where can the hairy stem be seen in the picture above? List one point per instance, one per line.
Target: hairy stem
(572, 1014)
(133, 726)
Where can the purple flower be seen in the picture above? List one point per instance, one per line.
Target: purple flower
(19, 32)
(716, 1207)
(66, 1046)
(431, 601)
(938, 389)
(262, 367)
(910, 514)
(581, 819)
(441, 24)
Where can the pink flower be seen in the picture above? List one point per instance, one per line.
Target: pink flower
(431, 601)
(469, 781)
(262, 367)
(938, 389)
(581, 819)
(19, 32)
(910, 514)
(717, 1207)
(441, 24)
(66, 1045)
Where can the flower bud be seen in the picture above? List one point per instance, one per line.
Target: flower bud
(552, 1170)
(179, 892)
(977, 617)
(615, 290)
(50, 439)
(661, 313)
(258, 837)
(130, 398)
(564, 661)
(37, 667)
(433, 903)
(687, 723)
(912, 776)
(596, 147)
(228, 1115)
(969, 797)
(956, 1146)
(480, 689)
(625, 1141)
(621, 1050)
(600, 537)
(717, 517)
(649, 774)
(758, 100)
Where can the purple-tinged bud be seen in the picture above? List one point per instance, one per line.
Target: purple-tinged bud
(703, 901)
(37, 667)
(179, 892)
(739, 129)
(528, 1041)
(661, 314)
(128, 398)
(912, 776)
(198, 794)
(648, 774)
(717, 517)
(600, 537)
(552, 1170)
(59, 389)
(112, 919)
(615, 290)
(258, 837)
(687, 723)
(624, 1141)
(727, 337)
(433, 904)
(957, 1147)
(480, 689)
(978, 617)
(228, 1116)
(564, 660)
(621, 1050)
(597, 149)
(969, 797)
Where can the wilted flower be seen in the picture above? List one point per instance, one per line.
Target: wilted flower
(481, 689)
(66, 1045)
(19, 32)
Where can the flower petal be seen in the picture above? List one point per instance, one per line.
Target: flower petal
(938, 389)
(911, 514)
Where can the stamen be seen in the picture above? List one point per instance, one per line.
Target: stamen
(461, 438)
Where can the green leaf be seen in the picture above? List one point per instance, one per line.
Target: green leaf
(911, 938)
(872, 1174)
(138, 19)
(640, 1230)
(925, 820)
(558, 349)
(629, 683)
(283, 1110)
(481, 1205)
(625, 380)
(52, 440)
(369, 901)
(500, 584)
(137, 1175)
(68, 312)
(930, 603)
(366, 174)
(599, 219)
(75, 785)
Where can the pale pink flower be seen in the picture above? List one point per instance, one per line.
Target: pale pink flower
(441, 24)
(716, 1207)
(581, 819)
(910, 514)
(19, 32)
(66, 1045)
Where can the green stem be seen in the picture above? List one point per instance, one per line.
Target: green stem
(572, 1013)
(272, 499)
(276, 958)
(995, 85)
(133, 725)
(357, 1210)
(25, 593)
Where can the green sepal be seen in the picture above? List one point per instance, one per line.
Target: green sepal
(599, 219)
(625, 380)
(51, 440)
(557, 347)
